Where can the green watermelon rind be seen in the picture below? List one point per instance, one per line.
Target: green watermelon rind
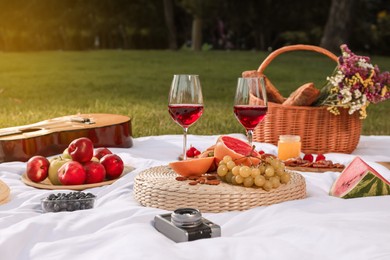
(369, 185)
(359, 179)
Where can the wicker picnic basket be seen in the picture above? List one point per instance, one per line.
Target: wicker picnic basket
(320, 130)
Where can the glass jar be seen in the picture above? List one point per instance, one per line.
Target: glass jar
(289, 146)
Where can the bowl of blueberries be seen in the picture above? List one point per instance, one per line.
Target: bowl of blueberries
(72, 201)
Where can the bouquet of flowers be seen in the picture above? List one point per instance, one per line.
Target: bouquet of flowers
(354, 84)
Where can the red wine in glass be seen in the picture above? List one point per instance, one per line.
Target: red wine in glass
(249, 113)
(185, 114)
(250, 116)
(185, 103)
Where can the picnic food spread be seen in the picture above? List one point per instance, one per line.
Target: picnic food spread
(126, 208)
(230, 175)
(238, 164)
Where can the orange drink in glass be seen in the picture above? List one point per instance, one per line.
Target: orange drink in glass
(289, 146)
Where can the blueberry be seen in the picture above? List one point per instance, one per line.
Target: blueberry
(70, 207)
(56, 207)
(76, 205)
(90, 195)
(89, 205)
(63, 204)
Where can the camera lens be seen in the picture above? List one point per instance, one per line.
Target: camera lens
(186, 217)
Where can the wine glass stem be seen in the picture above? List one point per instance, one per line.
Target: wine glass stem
(249, 135)
(185, 143)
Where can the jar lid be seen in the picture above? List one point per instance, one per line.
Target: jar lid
(290, 138)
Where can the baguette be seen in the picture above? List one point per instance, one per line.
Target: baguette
(273, 93)
(305, 95)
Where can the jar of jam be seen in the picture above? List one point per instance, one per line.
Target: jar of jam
(289, 146)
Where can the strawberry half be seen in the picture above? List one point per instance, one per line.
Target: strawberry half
(196, 152)
(192, 152)
(308, 157)
(320, 157)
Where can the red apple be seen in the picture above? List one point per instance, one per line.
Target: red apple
(37, 168)
(95, 172)
(72, 173)
(81, 149)
(113, 165)
(100, 152)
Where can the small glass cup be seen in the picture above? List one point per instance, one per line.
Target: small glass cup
(289, 146)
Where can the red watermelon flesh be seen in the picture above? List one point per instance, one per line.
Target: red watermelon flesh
(358, 179)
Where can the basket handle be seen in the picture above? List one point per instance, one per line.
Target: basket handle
(298, 47)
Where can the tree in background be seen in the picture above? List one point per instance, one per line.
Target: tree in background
(170, 22)
(339, 25)
(217, 24)
(200, 10)
(195, 9)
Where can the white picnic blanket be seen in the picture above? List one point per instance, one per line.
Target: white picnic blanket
(118, 227)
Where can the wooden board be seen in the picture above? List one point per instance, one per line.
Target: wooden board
(312, 169)
(47, 185)
(4, 192)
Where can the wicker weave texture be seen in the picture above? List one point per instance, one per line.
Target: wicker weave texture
(157, 187)
(320, 131)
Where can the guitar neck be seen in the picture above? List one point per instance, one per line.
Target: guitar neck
(60, 122)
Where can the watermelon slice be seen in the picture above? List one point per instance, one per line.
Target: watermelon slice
(358, 179)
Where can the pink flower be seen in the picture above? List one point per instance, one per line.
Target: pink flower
(354, 84)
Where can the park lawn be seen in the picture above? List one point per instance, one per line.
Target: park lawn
(39, 85)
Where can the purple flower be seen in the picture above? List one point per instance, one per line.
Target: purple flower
(358, 76)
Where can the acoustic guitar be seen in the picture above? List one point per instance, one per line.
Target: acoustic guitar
(52, 136)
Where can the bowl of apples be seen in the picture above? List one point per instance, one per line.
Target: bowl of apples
(79, 167)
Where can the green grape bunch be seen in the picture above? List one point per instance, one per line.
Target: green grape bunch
(269, 174)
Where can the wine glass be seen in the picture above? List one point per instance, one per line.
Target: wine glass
(250, 114)
(185, 103)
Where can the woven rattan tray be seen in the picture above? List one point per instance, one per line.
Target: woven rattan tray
(4, 192)
(157, 187)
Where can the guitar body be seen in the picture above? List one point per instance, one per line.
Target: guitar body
(51, 137)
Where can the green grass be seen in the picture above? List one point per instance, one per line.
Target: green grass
(41, 85)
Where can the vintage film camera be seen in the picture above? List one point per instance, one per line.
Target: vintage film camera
(186, 224)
